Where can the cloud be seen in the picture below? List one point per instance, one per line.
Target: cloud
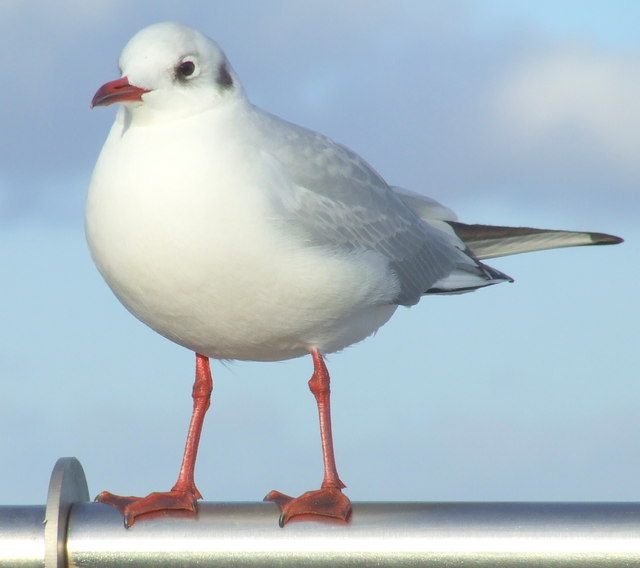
(61, 15)
(573, 106)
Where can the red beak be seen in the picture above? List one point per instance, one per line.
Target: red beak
(116, 92)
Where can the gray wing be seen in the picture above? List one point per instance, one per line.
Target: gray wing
(342, 202)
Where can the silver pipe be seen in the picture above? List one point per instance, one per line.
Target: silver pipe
(22, 537)
(379, 534)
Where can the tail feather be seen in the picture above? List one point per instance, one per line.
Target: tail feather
(488, 241)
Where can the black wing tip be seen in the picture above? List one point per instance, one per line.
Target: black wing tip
(604, 239)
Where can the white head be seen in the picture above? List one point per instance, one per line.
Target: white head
(170, 71)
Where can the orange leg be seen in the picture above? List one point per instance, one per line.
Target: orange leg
(328, 501)
(184, 493)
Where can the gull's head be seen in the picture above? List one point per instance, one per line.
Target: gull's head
(170, 70)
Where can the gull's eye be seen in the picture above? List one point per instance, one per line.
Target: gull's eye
(185, 69)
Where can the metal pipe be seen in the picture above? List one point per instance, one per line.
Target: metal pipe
(22, 537)
(379, 534)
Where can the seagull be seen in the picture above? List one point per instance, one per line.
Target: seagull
(241, 236)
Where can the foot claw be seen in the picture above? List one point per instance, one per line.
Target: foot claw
(327, 502)
(152, 505)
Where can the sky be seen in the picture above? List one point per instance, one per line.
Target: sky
(515, 113)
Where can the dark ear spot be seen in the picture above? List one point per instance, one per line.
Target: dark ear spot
(224, 78)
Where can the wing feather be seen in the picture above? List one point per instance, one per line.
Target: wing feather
(340, 201)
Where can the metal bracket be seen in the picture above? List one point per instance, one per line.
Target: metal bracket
(68, 485)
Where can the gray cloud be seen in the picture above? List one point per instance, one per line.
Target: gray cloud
(573, 107)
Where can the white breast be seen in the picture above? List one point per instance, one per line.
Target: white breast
(193, 242)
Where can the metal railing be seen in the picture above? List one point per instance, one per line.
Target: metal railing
(78, 533)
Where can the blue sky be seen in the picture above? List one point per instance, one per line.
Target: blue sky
(522, 113)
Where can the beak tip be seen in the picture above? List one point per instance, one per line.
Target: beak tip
(117, 91)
